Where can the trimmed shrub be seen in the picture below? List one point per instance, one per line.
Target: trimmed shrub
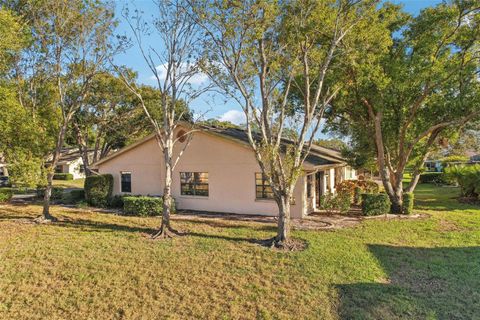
(73, 197)
(408, 200)
(63, 176)
(144, 206)
(98, 190)
(375, 204)
(335, 203)
(432, 177)
(116, 201)
(354, 188)
(77, 195)
(5, 194)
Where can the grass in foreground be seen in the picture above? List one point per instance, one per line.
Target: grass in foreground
(100, 266)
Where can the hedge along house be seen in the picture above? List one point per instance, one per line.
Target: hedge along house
(218, 172)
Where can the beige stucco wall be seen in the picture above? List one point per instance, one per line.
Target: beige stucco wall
(231, 168)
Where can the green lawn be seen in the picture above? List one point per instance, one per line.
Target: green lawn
(77, 183)
(101, 266)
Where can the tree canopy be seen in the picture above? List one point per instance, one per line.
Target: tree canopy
(412, 81)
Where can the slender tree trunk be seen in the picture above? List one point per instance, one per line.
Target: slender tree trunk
(83, 148)
(166, 230)
(50, 173)
(419, 165)
(283, 226)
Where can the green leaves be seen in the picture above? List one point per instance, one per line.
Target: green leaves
(418, 74)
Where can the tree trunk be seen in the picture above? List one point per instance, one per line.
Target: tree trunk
(394, 192)
(283, 228)
(419, 165)
(166, 230)
(397, 201)
(48, 190)
(416, 174)
(46, 198)
(83, 149)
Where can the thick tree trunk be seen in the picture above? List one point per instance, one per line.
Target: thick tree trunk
(395, 191)
(397, 201)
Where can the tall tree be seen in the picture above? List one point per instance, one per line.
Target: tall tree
(412, 81)
(109, 119)
(259, 52)
(19, 137)
(70, 45)
(173, 63)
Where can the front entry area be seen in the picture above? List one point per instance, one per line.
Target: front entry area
(319, 187)
(320, 183)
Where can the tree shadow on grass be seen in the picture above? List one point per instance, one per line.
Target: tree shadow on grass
(89, 225)
(424, 283)
(226, 238)
(227, 225)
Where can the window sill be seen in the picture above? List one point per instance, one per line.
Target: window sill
(194, 197)
(264, 200)
(270, 200)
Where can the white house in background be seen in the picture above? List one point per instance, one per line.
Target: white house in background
(218, 172)
(3, 167)
(71, 162)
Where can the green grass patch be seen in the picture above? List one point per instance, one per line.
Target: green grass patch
(77, 183)
(102, 266)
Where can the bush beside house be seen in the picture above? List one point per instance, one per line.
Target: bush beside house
(98, 190)
(354, 188)
(375, 204)
(144, 206)
(335, 203)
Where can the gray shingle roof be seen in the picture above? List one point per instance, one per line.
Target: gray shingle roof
(317, 156)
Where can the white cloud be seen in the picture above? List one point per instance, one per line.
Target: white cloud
(233, 116)
(197, 79)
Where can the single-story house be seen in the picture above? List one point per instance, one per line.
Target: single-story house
(218, 172)
(3, 169)
(70, 161)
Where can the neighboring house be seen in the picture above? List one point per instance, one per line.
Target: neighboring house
(436, 165)
(433, 165)
(3, 169)
(218, 172)
(71, 162)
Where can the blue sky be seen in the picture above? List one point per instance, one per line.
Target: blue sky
(211, 105)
